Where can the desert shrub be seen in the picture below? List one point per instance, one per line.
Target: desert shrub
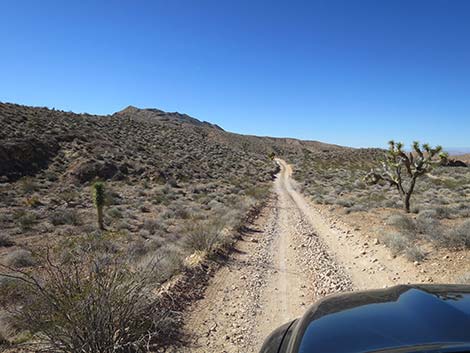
(401, 222)
(329, 200)
(180, 210)
(111, 197)
(61, 217)
(403, 244)
(10, 291)
(114, 213)
(153, 225)
(414, 253)
(443, 212)
(166, 261)
(356, 208)
(32, 201)
(204, 235)
(137, 249)
(69, 196)
(3, 340)
(25, 220)
(395, 241)
(259, 192)
(6, 241)
(28, 185)
(345, 202)
(89, 306)
(426, 223)
(460, 236)
(20, 258)
(123, 225)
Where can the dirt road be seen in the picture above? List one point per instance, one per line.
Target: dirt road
(289, 258)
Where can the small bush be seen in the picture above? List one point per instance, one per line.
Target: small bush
(61, 217)
(20, 258)
(25, 220)
(395, 241)
(204, 235)
(89, 306)
(426, 222)
(443, 212)
(32, 201)
(345, 202)
(152, 226)
(6, 241)
(414, 253)
(28, 185)
(460, 236)
(114, 213)
(401, 222)
(137, 249)
(69, 196)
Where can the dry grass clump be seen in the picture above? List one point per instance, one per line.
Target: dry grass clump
(403, 244)
(25, 220)
(401, 222)
(64, 216)
(426, 227)
(204, 235)
(460, 236)
(6, 241)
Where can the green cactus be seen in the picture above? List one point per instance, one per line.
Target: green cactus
(401, 170)
(98, 200)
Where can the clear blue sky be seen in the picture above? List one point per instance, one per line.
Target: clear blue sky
(349, 72)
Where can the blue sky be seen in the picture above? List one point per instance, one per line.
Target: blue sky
(351, 72)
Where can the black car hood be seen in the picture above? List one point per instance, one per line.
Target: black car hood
(387, 320)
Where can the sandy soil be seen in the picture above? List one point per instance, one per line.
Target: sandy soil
(291, 256)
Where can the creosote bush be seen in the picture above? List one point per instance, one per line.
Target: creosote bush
(61, 217)
(87, 305)
(20, 258)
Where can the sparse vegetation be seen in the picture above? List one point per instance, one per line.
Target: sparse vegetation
(335, 179)
(414, 165)
(160, 176)
(64, 216)
(20, 258)
(6, 241)
(89, 305)
(99, 200)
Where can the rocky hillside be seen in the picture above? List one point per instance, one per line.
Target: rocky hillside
(164, 173)
(175, 186)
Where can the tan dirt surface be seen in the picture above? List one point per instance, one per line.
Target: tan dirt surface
(292, 256)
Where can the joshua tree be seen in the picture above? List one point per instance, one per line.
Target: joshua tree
(401, 170)
(98, 200)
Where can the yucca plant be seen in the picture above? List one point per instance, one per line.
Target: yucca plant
(98, 200)
(401, 170)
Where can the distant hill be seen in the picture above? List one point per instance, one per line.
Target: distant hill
(144, 143)
(134, 113)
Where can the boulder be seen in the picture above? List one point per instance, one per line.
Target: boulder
(454, 163)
